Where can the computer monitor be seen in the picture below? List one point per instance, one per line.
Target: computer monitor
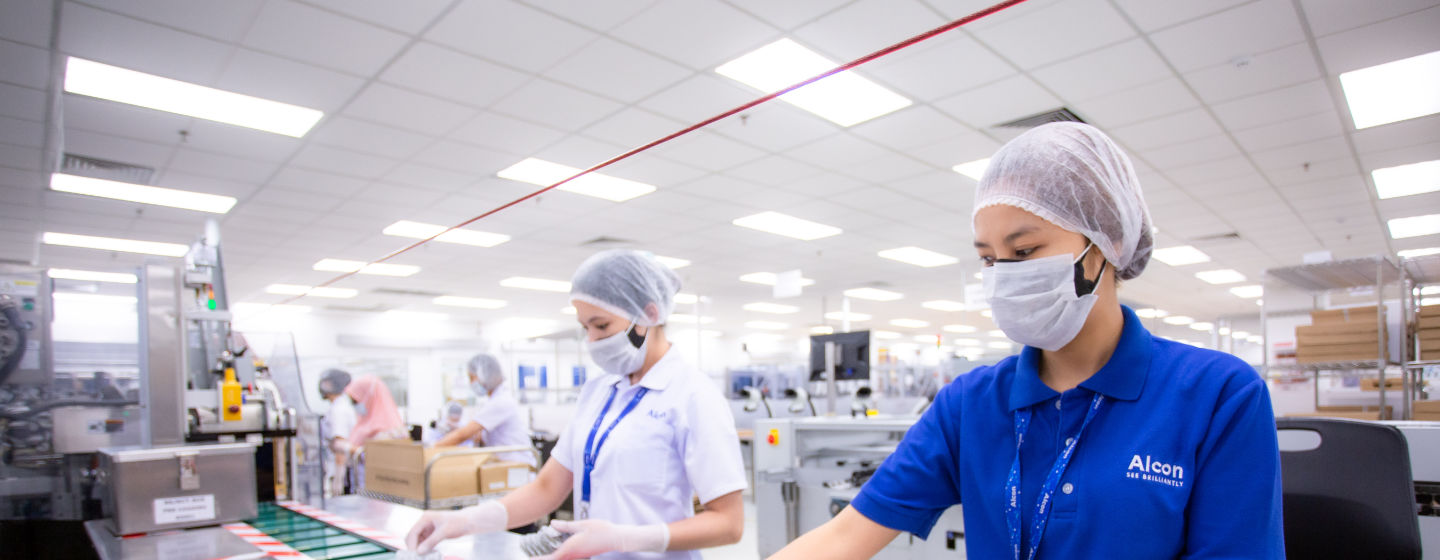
(852, 356)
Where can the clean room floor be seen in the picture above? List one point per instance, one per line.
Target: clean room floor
(746, 548)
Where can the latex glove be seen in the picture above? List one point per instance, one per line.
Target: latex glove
(436, 526)
(597, 536)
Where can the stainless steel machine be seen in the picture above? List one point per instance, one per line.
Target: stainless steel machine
(808, 469)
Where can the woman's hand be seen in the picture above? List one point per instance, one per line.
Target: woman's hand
(596, 536)
(436, 526)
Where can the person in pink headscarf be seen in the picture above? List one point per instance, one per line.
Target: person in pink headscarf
(379, 418)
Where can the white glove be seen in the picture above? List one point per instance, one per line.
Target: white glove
(437, 526)
(597, 536)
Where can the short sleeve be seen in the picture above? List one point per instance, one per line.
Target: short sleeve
(494, 413)
(918, 482)
(563, 452)
(710, 447)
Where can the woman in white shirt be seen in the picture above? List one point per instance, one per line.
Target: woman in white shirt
(339, 420)
(645, 438)
(496, 418)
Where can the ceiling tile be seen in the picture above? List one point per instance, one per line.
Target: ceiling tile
(323, 38)
(21, 132)
(390, 197)
(865, 26)
(406, 17)
(335, 160)
(699, 33)
(220, 166)
(836, 151)
(1137, 103)
(22, 102)
(1242, 31)
(1299, 154)
(1330, 16)
(431, 178)
(910, 127)
(1164, 131)
(275, 196)
(26, 22)
(617, 71)
(1294, 131)
(20, 157)
(327, 183)
(939, 67)
(700, 97)
(218, 19)
(1211, 172)
(129, 43)
(1189, 153)
(278, 79)
(773, 171)
(25, 65)
(556, 105)
(1277, 106)
(774, 126)
(999, 102)
(1049, 35)
(448, 74)
(788, 15)
(707, 151)
(361, 136)
(1316, 170)
(408, 110)
(1107, 70)
(1378, 43)
(1423, 130)
(509, 33)
(886, 168)
(593, 15)
(506, 134)
(1151, 15)
(1275, 69)
(471, 161)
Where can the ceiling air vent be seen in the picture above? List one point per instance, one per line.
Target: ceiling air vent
(1219, 237)
(1058, 115)
(605, 241)
(105, 169)
(400, 292)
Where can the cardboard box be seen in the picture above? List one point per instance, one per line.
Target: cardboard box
(1349, 314)
(1373, 384)
(1428, 323)
(1354, 328)
(1428, 334)
(397, 468)
(1426, 416)
(1429, 311)
(1425, 406)
(503, 476)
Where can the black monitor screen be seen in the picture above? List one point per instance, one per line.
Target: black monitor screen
(852, 360)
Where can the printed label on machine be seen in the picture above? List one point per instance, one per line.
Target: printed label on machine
(183, 509)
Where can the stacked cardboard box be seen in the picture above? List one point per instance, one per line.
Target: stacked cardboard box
(1427, 329)
(397, 468)
(1339, 335)
(1425, 410)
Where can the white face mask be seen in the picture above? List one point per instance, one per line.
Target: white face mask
(479, 389)
(1035, 302)
(617, 354)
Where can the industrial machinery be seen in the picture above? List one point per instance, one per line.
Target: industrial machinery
(809, 469)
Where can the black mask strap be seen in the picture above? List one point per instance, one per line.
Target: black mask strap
(1083, 285)
(636, 339)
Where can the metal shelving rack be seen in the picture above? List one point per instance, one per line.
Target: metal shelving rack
(1319, 279)
(1418, 272)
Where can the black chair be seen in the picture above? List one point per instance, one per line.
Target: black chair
(1349, 497)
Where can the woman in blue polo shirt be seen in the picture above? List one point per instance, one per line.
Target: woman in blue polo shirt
(1099, 440)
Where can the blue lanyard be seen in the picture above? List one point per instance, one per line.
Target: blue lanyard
(592, 447)
(1042, 506)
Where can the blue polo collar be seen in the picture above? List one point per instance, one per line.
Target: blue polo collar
(1122, 378)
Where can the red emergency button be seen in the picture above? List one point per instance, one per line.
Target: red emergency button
(773, 438)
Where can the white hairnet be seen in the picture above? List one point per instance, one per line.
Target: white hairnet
(627, 282)
(454, 411)
(1072, 175)
(333, 382)
(487, 368)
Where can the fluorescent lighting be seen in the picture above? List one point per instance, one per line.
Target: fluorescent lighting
(844, 316)
(93, 298)
(1178, 320)
(93, 79)
(540, 284)
(417, 230)
(768, 279)
(965, 342)
(885, 335)
(1430, 291)
(299, 290)
(767, 307)
(472, 302)
(843, 98)
(1406, 180)
(243, 310)
(91, 276)
(688, 319)
(1221, 276)
(973, 169)
(918, 257)
(403, 315)
(1239, 334)
(1257, 339)
(115, 244)
(672, 262)
(821, 330)
(980, 275)
(687, 299)
(786, 225)
(1202, 326)
(1414, 226)
(1394, 91)
(926, 338)
(997, 333)
(1224, 331)
(144, 194)
(764, 337)
(961, 329)
(360, 267)
(545, 173)
(1180, 255)
(568, 310)
(988, 314)
(766, 325)
(1151, 313)
(1412, 253)
(910, 323)
(873, 294)
(1248, 292)
(943, 305)
(1000, 345)
(1430, 301)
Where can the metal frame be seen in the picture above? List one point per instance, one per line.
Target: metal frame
(1417, 272)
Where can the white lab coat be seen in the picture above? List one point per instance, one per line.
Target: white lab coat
(338, 422)
(679, 442)
(502, 425)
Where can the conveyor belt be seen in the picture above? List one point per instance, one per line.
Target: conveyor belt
(315, 538)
